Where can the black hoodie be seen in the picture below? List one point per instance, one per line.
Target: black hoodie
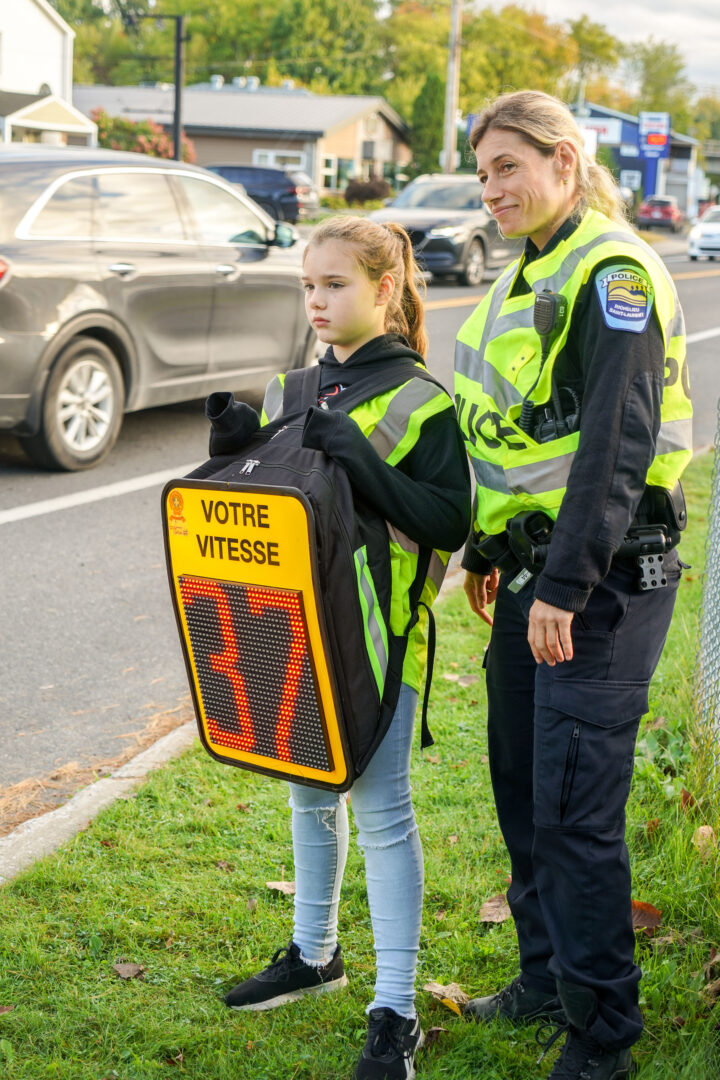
(427, 493)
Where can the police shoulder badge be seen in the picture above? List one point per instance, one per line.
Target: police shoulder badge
(626, 297)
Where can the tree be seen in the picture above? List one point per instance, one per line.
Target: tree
(659, 69)
(139, 136)
(426, 125)
(597, 51)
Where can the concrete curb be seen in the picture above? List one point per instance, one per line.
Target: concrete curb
(42, 835)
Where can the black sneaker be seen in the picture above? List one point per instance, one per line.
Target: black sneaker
(286, 978)
(517, 1002)
(389, 1051)
(584, 1059)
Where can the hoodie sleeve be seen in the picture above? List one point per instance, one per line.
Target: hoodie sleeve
(426, 495)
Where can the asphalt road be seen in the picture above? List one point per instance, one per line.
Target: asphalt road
(90, 651)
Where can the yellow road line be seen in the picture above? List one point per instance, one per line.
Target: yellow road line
(471, 301)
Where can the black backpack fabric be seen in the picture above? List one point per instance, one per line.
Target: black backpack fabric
(274, 456)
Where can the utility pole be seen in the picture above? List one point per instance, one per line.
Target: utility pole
(452, 84)
(130, 21)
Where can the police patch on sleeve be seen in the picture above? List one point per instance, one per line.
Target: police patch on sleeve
(626, 297)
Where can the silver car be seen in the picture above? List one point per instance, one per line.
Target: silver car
(128, 282)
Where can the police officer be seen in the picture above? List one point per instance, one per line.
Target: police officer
(573, 398)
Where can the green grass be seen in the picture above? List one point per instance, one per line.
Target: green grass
(143, 884)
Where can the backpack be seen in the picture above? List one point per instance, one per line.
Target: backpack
(294, 670)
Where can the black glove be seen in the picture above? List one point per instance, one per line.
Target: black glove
(321, 425)
(233, 423)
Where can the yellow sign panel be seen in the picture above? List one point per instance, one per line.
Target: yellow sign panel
(241, 562)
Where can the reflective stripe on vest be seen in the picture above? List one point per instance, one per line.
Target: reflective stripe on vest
(273, 403)
(498, 358)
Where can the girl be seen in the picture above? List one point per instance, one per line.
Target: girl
(361, 296)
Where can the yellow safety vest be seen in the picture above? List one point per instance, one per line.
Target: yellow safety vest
(498, 358)
(392, 423)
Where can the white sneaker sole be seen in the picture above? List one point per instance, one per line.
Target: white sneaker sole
(294, 995)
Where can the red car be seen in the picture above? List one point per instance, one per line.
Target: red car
(660, 212)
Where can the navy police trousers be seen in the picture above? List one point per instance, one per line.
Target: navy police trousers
(561, 747)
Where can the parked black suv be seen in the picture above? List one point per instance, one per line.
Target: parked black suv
(451, 231)
(285, 195)
(127, 282)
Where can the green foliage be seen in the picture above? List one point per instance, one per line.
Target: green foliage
(138, 136)
(426, 124)
(663, 87)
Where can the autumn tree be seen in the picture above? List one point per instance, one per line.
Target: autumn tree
(659, 68)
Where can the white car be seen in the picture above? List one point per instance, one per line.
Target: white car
(704, 238)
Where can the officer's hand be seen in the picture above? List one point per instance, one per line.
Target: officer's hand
(549, 633)
(481, 590)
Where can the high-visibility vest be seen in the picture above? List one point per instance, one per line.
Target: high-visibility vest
(392, 422)
(498, 359)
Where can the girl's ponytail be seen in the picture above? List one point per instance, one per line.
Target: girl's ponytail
(406, 314)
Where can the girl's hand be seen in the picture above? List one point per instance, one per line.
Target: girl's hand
(481, 590)
(549, 633)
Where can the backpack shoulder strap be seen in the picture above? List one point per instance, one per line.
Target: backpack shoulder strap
(300, 390)
(395, 373)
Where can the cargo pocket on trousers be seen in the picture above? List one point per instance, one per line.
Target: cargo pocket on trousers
(585, 733)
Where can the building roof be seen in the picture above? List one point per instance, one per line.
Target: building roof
(11, 103)
(236, 110)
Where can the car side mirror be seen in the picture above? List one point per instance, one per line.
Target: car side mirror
(285, 235)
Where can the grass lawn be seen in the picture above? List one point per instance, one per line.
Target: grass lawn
(173, 879)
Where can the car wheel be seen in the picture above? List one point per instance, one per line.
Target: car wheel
(82, 408)
(693, 258)
(474, 269)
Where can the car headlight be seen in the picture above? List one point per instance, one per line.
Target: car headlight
(696, 233)
(450, 232)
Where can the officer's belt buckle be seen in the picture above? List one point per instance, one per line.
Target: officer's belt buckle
(652, 573)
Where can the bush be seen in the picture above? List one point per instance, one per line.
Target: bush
(138, 136)
(361, 191)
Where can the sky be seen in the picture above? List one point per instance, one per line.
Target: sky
(692, 25)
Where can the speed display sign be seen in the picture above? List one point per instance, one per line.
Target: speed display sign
(243, 578)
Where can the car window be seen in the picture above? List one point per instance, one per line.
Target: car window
(68, 211)
(712, 215)
(219, 217)
(452, 196)
(136, 206)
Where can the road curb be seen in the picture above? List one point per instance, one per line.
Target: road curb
(42, 835)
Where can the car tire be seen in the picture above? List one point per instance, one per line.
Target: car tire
(82, 408)
(473, 271)
(693, 258)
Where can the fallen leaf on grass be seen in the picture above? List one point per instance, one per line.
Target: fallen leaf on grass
(705, 841)
(223, 864)
(652, 826)
(645, 916)
(687, 801)
(453, 838)
(467, 680)
(287, 888)
(711, 970)
(495, 910)
(452, 996)
(659, 944)
(129, 971)
(460, 764)
(711, 992)
(6, 1009)
(484, 759)
(434, 759)
(439, 915)
(242, 807)
(658, 722)
(433, 1034)
(108, 843)
(177, 1060)
(170, 942)
(252, 904)
(451, 676)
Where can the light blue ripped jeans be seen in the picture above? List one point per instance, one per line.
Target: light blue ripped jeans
(388, 836)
